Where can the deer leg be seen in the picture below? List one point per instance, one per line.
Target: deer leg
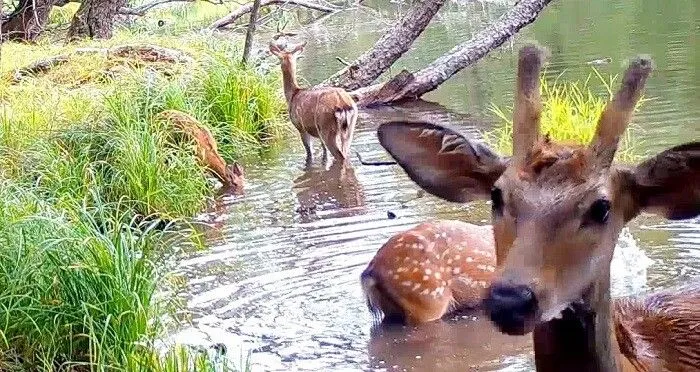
(306, 141)
(325, 152)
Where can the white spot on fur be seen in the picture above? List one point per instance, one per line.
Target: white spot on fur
(469, 259)
(407, 283)
(428, 271)
(456, 270)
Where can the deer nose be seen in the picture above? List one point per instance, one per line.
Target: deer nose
(510, 306)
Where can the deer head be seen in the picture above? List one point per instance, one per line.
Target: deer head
(287, 58)
(557, 210)
(234, 178)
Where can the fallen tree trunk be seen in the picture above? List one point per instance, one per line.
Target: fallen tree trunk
(389, 48)
(411, 86)
(245, 9)
(145, 53)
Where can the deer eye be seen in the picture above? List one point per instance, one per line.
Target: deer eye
(599, 211)
(497, 200)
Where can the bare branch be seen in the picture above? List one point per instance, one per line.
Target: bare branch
(142, 9)
(245, 9)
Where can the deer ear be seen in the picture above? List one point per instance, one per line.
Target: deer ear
(275, 50)
(236, 169)
(667, 184)
(299, 48)
(442, 161)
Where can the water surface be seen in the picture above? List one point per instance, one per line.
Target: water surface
(280, 278)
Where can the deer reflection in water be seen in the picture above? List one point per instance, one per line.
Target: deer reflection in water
(335, 188)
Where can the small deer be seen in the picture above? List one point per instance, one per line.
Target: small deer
(231, 176)
(327, 113)
(430, 270)
(557, 212)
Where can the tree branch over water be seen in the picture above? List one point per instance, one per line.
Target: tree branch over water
(389, 48)
(245, 9)
(411, 86)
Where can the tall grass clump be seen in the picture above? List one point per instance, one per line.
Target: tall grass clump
(76, 287)
(241, 106)
(241, 101)
(570, 112)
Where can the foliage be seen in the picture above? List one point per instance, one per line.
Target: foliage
(82, 162)
(570, 112)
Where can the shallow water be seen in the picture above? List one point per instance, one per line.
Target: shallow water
(280, 277)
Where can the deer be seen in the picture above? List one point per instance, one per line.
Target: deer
(557, 211)
(231, 176)
(431, 270)
(326, 113)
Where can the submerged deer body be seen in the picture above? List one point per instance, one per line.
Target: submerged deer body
(557, 212)
(327, 113)
(423, 273)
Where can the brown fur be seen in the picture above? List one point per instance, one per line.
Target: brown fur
(558, 211)
(660, 331)
(206, 151)
(419, 275)
(327, 113)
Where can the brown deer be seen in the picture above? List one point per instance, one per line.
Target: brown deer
(206, 151)
(557, 212)
(421, 274)
(327, 113)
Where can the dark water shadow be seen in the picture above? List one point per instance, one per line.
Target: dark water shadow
(329, 192)
(463, 343)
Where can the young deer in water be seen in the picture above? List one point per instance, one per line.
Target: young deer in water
(421, 274)
(557, 212)
(326, 113)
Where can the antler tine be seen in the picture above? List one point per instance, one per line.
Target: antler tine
(618, 112)
(528, 105)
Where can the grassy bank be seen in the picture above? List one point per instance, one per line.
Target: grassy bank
(83, 159)
(570, 112)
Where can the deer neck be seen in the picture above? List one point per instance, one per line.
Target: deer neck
(289, 78)
(582, 340)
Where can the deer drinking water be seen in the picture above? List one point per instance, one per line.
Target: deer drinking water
(327, 113)
(557, 212)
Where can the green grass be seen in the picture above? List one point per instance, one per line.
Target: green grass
(82, 159)
(78, 289)
(570, 112)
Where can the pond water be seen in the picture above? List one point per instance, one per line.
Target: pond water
(280, 277)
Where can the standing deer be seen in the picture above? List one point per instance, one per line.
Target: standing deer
(326, 113)
(557, 212)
